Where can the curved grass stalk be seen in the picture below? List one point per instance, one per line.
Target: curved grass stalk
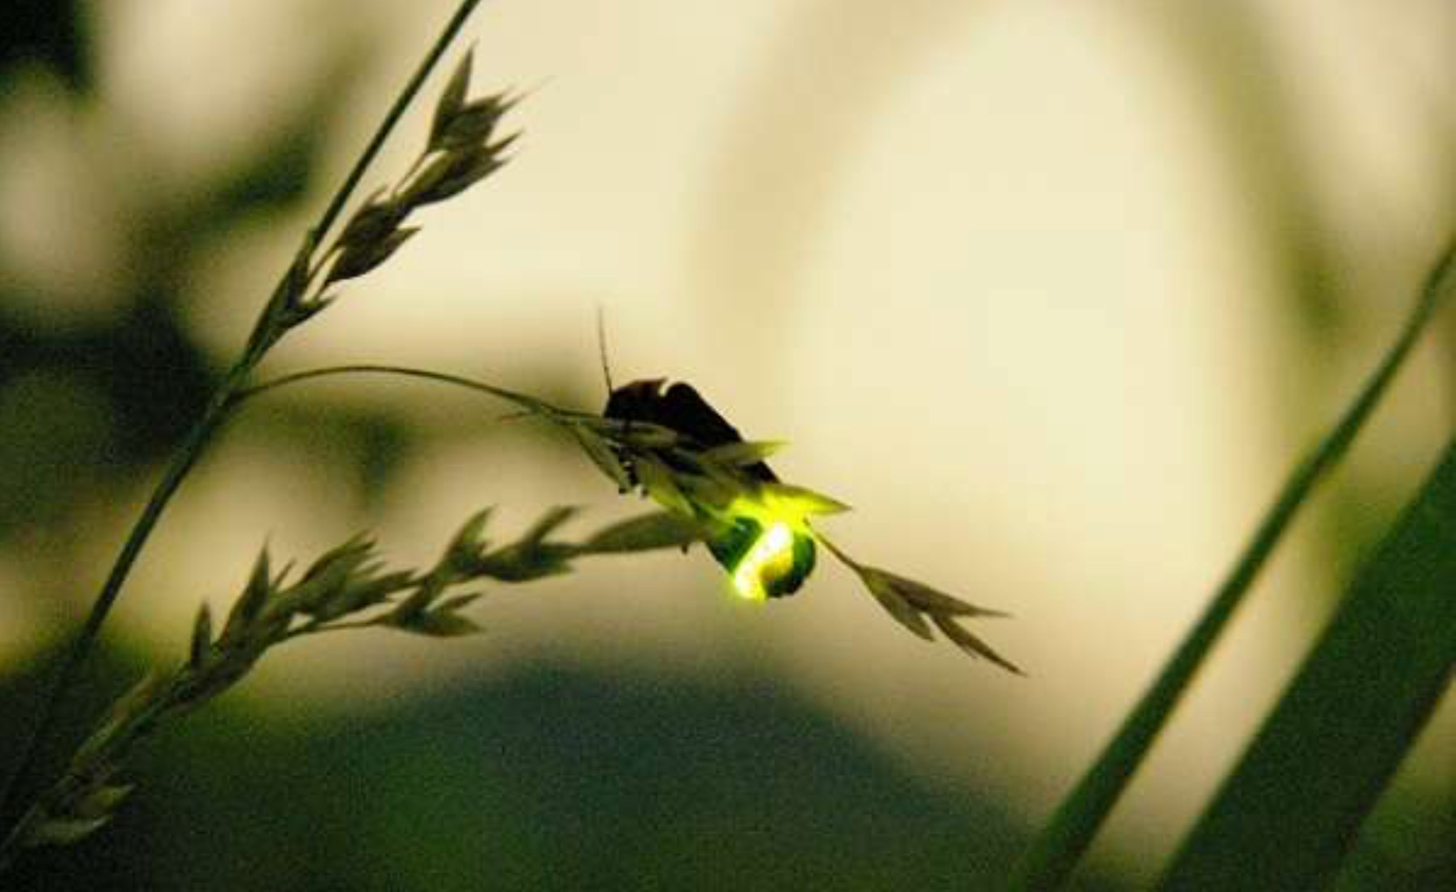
(526, 402)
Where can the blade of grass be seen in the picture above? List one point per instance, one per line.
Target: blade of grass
(1289, 812)
(196, 441)
(1055, 852)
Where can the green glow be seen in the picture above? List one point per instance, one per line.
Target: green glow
(768, 509)
(771, 556)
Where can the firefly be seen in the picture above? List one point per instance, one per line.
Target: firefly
(690, 459)
(765, 546)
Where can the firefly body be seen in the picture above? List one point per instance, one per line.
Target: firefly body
(764, 555)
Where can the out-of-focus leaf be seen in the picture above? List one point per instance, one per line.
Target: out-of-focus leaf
(1049, 861)
(659, 529)
(527, 560)
(63, 831)
(637, 434)
(531, 556)
(469, 543)
(1289, 812)
(743, 452)
(429, 588)
(54, 32)
(550, 522)
(798, 500)
(102, 802)
(602, 456)
(456, 603)
(440, 623)
(715, 493)
(658, 480)
(201, 635)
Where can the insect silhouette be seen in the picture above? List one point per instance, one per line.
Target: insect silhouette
(763, 556)
(695, 463)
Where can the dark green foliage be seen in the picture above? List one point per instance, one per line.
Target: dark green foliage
(1288, 814)
(548, 778)
(1054, 854)
(53, 32)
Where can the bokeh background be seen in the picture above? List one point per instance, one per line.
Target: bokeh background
(1052, 293)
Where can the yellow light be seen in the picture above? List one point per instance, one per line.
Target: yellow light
(772, 554)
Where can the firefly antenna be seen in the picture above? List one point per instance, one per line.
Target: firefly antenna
(602, 347)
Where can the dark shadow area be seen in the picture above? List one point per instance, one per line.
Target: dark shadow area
(52, 33)
(546, 779)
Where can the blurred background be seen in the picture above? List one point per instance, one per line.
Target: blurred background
(1052, 293)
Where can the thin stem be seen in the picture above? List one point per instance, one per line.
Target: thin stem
(1053, 855)
(618, 430)
(187, 454)
(182, 462)
(845, 559)
(401, 371)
